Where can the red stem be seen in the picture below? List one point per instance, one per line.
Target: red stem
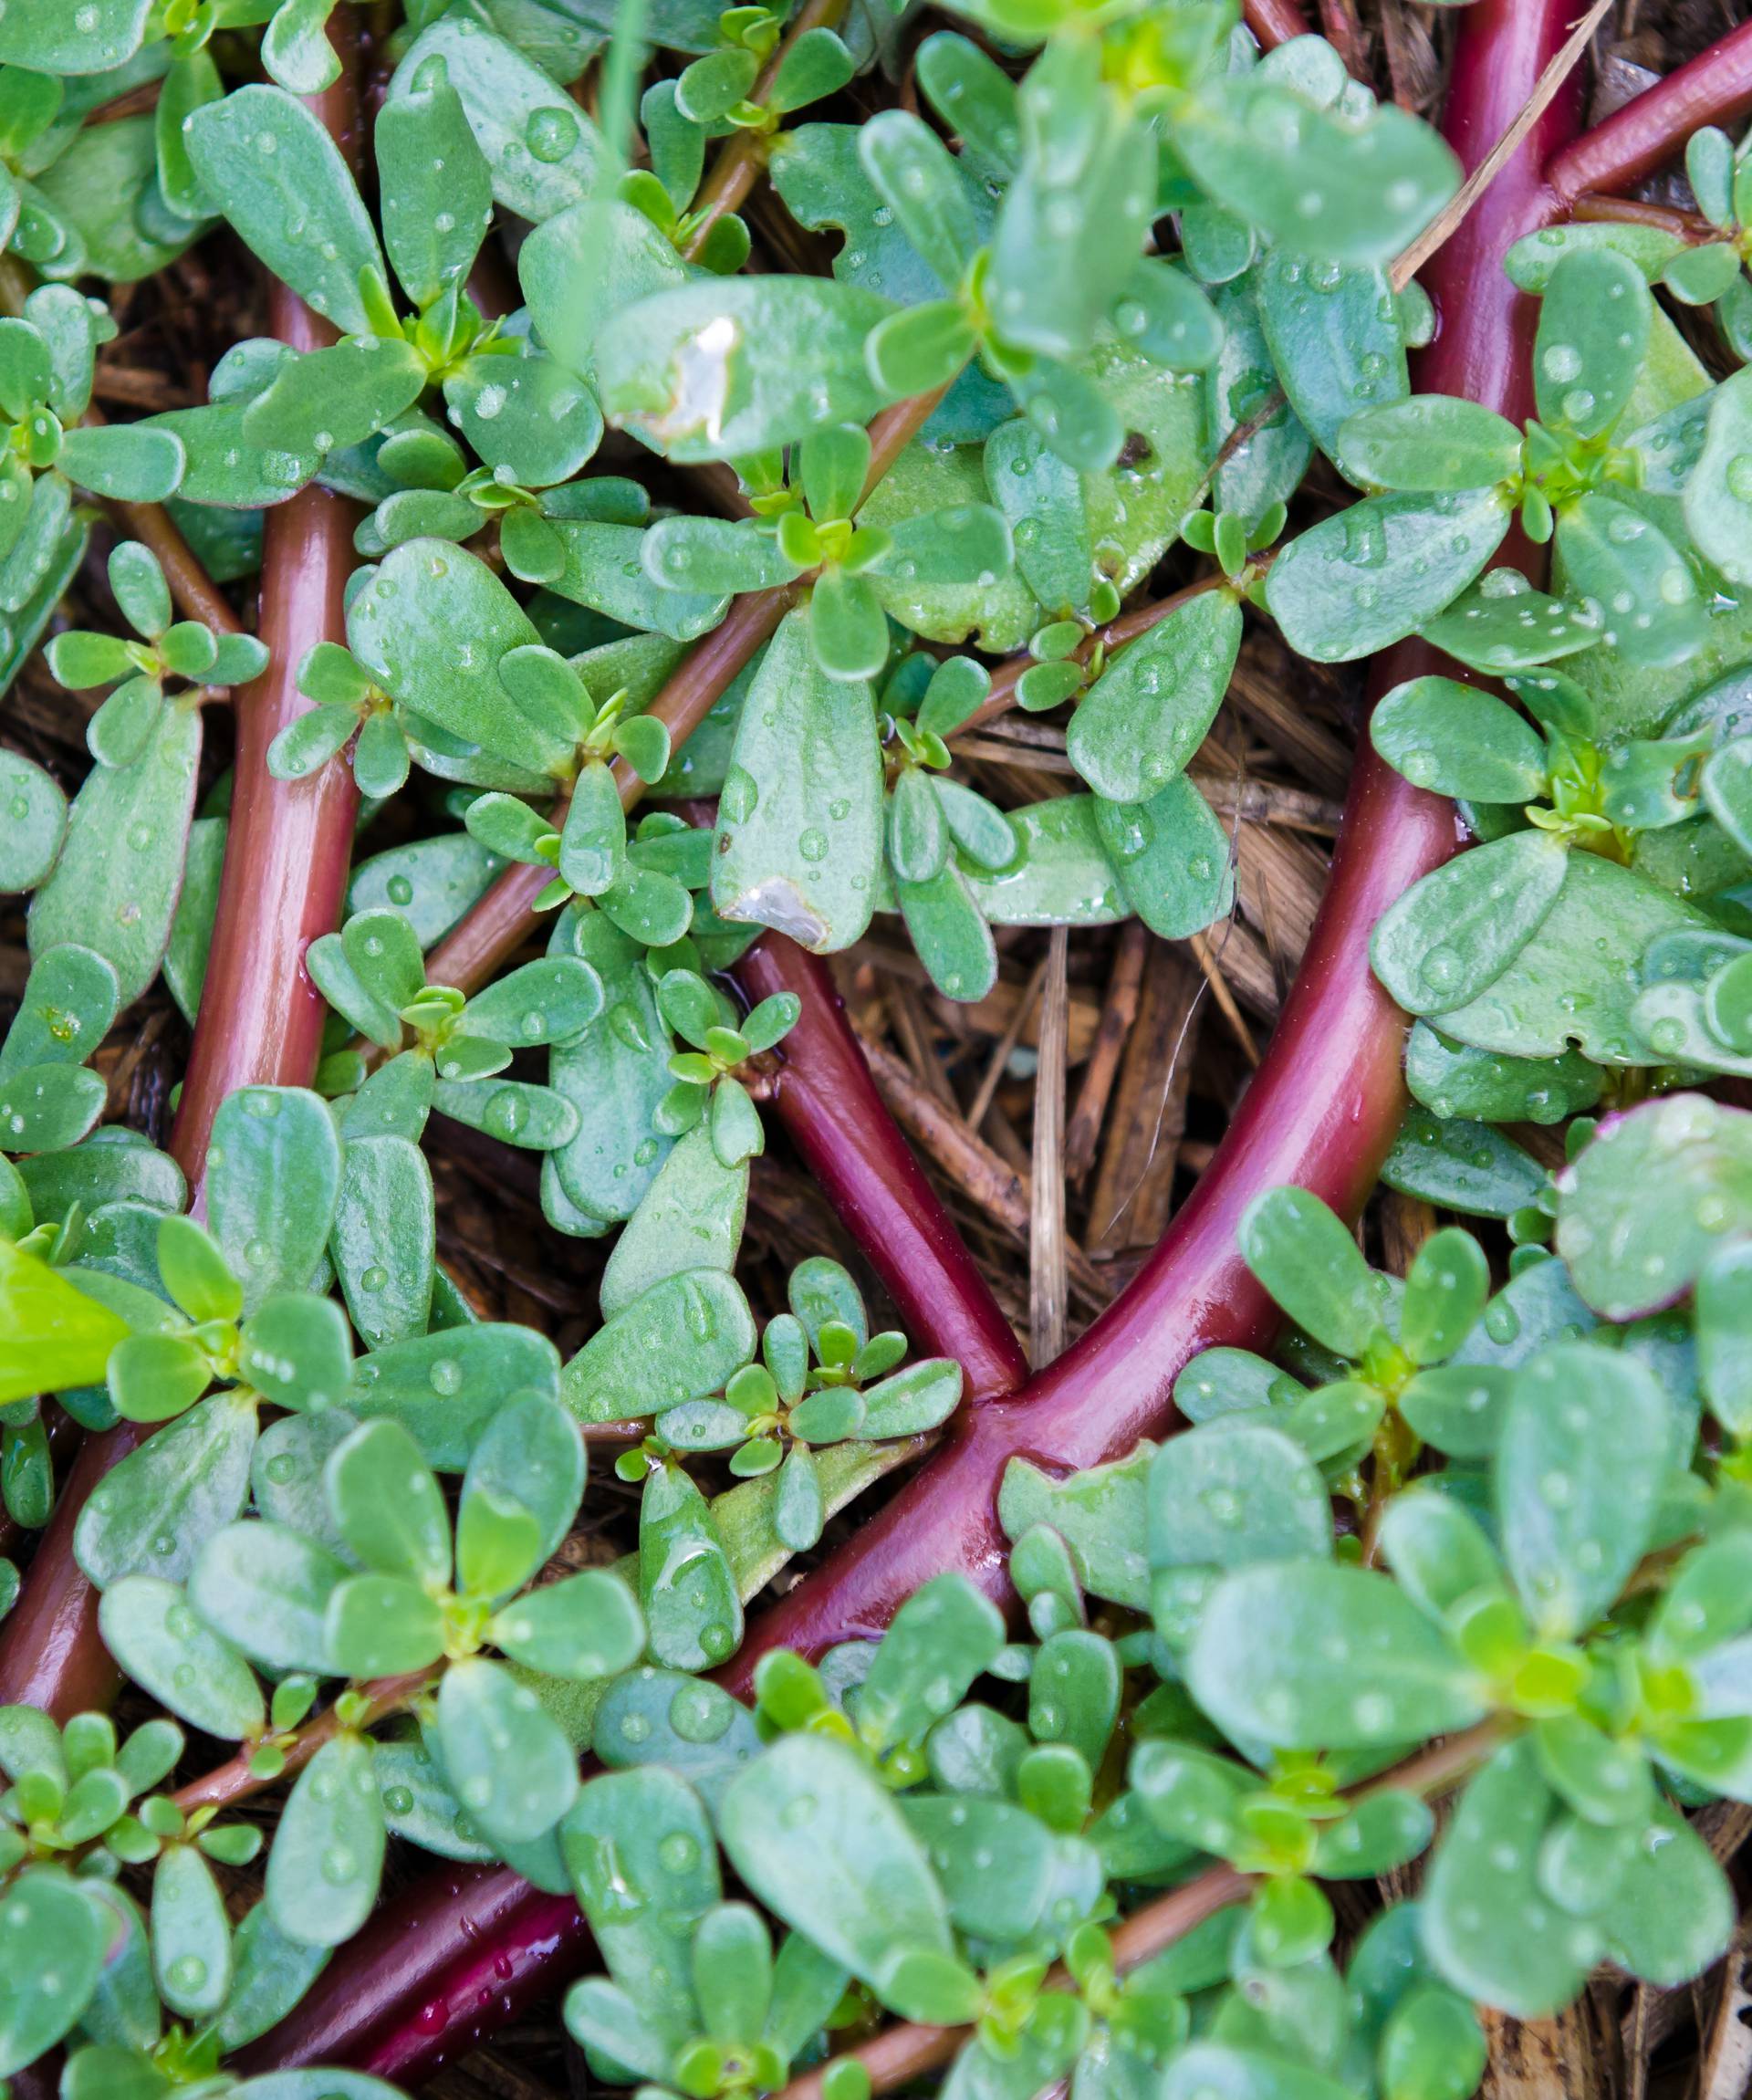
(1714, 88)
(1275, 21)
(287, 847)
(1321, 1112)
(829, 1106)
(435, 1973)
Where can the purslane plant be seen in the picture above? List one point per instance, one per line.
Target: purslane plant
(1338, 1043)
(1135, 243)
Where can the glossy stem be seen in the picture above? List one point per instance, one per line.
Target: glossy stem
(1631, 212)
(439, 1969)
(287, 847)
(829, 1104)
(1714, 88)
(1321, 1112)
(1275, 21)
(288, 843)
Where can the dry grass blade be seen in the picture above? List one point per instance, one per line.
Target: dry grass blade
(1118, 1013)
(1440, 228)
(1046, 1224)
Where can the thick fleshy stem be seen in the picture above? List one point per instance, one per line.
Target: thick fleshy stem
(826, 1099)
(287, 847)
(1321, 1113)
(1714, 88)
(1275, 21)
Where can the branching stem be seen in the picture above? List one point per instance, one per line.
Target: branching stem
(495, 927)
(1714, 88)
(288, 848)
(233, 1781)
(1320, 1112)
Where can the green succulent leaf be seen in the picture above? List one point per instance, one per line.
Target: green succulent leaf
(1320, 184)
(1719, 489)
(730, 366)
(1380, 569)
(1450, 937)
(58, 1937)
(849, 1873)
(1642, 1209)
(1261, 1662)
(288, 191)
(1580, 1468)
(327, 1853)
(1311, 1265)
(806, 745)
(156, 1637)
(1593, 335)
(692, 1608)
(1144, 717)
(507, 1758)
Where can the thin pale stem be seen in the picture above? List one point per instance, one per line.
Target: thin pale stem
(493, 928)
(233, 1781)
(1714, 88)
(743, 157)
(899, 2054)
(1632, 212)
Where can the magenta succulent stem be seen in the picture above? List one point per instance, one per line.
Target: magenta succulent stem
(829, 1107)
(439, 1969)
(1275, 21)
(288, 848)
(1714, 88)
